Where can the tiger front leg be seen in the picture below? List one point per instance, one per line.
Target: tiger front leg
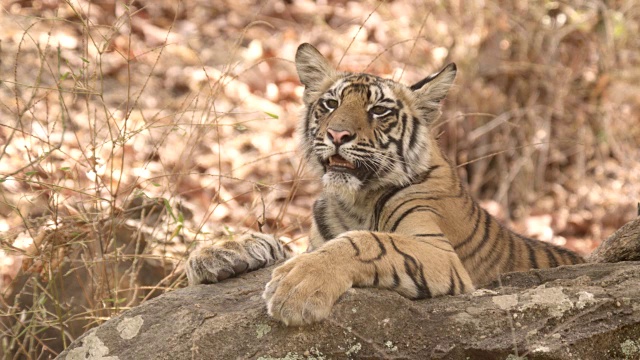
(229, 258)
(304, 289)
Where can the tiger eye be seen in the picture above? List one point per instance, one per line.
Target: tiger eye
(331, 104)
(379, 110)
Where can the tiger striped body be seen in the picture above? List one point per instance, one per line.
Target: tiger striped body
(438, 210)
(393, 213)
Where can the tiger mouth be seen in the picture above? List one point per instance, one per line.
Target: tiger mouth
(338, 165)
(337, 162)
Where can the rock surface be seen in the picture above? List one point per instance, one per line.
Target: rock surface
(589, 311)
(623, 245)
(59, 293)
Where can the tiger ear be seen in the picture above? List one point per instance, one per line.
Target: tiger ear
(313, 69)
(431, 90)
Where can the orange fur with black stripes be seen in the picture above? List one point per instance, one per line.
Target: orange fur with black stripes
(393, 213)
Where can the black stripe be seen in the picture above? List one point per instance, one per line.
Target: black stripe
(430, 235)
(383, 250)
(484, 240)
(427, 174)
(380, 204)
(575, 259)
(376, 278)
(494, 258)
(319, 213)
(414, 131)
(505, 240)
(266, 245)
(553, 262)
(279, 245)
(463, 288)
(272, 249)
(474, 230)
(474, 208)
(567, 256)
(400, 144)
(416, 273)
(532, 254)
(439, 248)
(403, 121)
(252, 252)
(452, 282)
(392, 214)
(431, 196)
(415, 270)
(510, 254)
(417, 208)
(442, 238)
(396, 278)
(424, 177)
(307, 120)
(355, 247)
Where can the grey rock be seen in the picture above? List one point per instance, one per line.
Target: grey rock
(589, 311)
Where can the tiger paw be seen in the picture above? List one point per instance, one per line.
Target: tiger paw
(212, 264)
(304, 289)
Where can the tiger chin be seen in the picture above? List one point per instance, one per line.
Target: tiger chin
(393, 213)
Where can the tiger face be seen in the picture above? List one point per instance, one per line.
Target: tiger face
(363, 132)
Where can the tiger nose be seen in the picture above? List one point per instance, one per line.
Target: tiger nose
(339, 137)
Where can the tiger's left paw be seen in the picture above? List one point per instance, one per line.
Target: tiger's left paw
(304, 289)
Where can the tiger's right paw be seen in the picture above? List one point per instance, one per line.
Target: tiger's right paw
(212, 264)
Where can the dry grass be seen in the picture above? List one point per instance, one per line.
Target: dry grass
(131, 132)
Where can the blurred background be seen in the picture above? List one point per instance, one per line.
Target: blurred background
(131, 132)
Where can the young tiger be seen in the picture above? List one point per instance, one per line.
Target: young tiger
(393, 213)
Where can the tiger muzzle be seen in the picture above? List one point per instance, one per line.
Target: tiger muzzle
(337, 162)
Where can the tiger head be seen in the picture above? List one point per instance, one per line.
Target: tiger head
(363, 132)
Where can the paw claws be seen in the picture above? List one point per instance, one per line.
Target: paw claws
(302, 292)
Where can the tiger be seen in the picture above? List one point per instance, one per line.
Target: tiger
(392, 214)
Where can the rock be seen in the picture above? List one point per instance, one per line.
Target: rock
(59, 294)
(589, 311)
(623, 245)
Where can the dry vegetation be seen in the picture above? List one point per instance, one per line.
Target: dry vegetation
(131, 131)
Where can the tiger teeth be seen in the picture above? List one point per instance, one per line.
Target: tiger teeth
(337, 160)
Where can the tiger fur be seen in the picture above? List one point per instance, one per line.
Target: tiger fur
(393, 213)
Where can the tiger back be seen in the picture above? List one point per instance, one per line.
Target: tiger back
(393, 212)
